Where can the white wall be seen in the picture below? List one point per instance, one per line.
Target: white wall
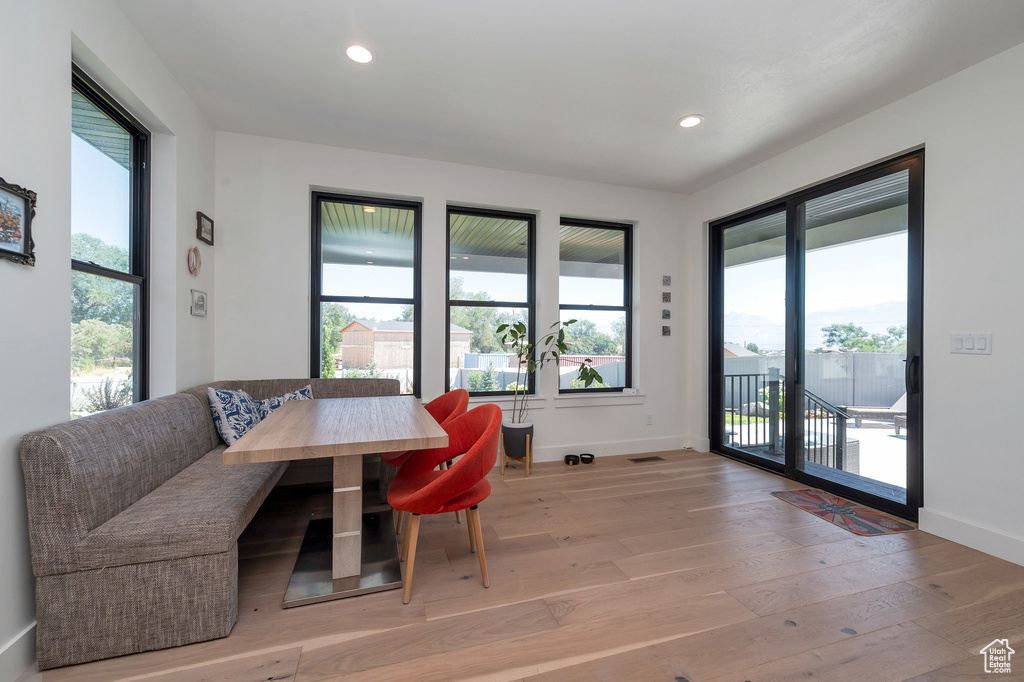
(37, 40)
(260, 288)
(263, 273)
(974, 207)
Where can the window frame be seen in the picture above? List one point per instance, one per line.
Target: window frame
(912, 161)
(531, 288)
(317, 297)
(627, 297)
(139, 256)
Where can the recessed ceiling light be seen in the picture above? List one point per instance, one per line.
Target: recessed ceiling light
(369, 252)
(369, 209)
(369, 262)
(360, 54)
(690, 120)
(465, 258)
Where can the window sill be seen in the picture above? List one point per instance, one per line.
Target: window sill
(505, 402)
(599, 399)
(561, 401)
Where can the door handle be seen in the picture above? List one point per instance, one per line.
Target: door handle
(913, 374)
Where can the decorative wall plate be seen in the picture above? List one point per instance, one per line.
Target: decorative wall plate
(195, 261)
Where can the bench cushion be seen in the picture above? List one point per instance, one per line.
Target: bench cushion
(82, 473)
(201, 510)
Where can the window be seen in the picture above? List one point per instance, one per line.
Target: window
(109, 251)
(490, 282)
(366, 289)
(594, 262)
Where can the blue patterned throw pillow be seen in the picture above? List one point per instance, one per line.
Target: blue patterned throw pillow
(267, 406)
(234, 413)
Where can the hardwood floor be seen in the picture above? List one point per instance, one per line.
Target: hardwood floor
(684, 570)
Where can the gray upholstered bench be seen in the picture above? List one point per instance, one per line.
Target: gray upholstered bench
(134, 522)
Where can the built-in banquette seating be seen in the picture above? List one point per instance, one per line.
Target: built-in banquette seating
(134, 522)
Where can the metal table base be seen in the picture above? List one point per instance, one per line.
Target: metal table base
(381, 570)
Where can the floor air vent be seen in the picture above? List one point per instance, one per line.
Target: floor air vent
(642, 460)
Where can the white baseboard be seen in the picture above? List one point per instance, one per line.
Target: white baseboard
(554, 453)
(698, 444)
(19, 654)
(996, 543)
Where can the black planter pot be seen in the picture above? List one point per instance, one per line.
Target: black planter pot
(515, 438)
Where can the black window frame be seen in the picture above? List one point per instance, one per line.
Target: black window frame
(627, 298)
(138, 274)
(914, 163)
(531, 288)
(317, 297)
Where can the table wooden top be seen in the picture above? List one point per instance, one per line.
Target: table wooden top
(333, 427)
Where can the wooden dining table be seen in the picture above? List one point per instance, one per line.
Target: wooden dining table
(355, 551)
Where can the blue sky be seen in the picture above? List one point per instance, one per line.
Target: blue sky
(852, 275)
(100, 194)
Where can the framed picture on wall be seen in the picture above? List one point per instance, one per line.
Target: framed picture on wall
(198, 303)
(204, 228)
(17, 208)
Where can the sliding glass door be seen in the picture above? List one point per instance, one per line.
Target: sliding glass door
(816, 335)
(855, 313)
(754, 337)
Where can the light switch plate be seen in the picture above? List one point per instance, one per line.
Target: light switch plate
(970, 344)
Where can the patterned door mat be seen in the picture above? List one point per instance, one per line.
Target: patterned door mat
(838, 511)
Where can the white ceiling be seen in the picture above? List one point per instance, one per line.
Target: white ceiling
(587, 89)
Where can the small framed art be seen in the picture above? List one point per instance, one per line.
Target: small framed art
(204, 228)
(17, 208)
(198, 303)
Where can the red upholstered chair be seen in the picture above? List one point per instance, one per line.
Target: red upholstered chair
(420, 488)
(443, 409)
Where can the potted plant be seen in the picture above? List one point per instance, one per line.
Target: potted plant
(516, 427)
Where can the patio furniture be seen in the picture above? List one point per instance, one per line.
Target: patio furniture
(898, 409)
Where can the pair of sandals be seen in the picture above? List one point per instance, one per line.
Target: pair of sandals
(585, 458)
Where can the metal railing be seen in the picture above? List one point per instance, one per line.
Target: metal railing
(753, 404)
(824, 432)
(754, 419)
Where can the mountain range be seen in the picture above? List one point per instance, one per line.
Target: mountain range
(744, 328)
